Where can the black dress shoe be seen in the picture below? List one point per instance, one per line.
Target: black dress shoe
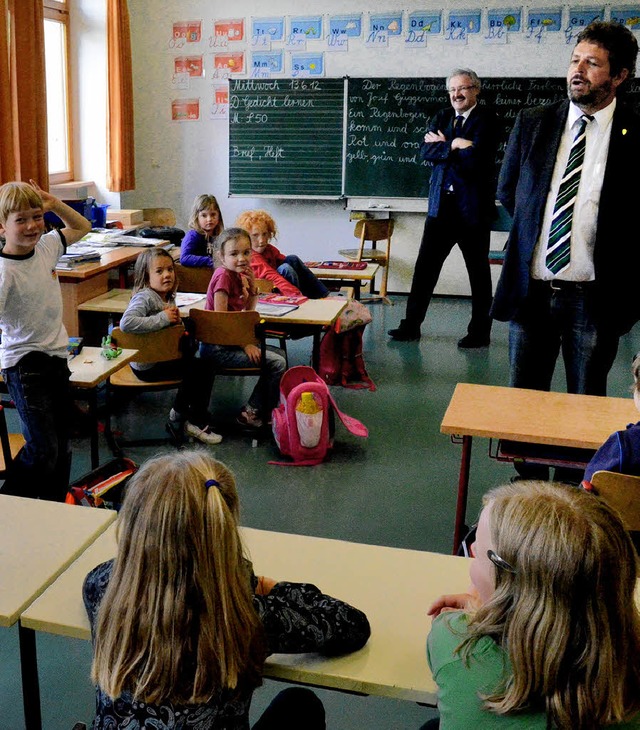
(469, 341)
(403, 335)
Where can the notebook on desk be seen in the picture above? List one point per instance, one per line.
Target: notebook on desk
(341, 265)
(266, 309)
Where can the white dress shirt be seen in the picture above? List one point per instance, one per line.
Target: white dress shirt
(585, 212)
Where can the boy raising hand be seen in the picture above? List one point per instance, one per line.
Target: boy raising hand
(33, 351)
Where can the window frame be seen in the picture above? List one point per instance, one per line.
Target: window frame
(58, 11)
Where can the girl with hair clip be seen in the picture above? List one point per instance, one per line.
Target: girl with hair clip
(549, 636)
(180, 624)
(152, 308)
(289, 274)
(205, 223)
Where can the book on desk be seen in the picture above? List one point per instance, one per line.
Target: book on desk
(120, 238)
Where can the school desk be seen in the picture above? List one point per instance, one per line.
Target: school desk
(530, 417)
(349, 277)
(38, 540)
(317, 313)
(88, 370)
(90, 279)
(394, 587)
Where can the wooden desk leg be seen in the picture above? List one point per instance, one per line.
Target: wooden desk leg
(356, 289)
(315, 351)
(463, 489)
(30, 682)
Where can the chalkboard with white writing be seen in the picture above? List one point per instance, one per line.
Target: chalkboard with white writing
(286, 137)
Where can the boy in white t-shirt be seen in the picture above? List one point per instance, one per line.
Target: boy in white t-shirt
(33, 351)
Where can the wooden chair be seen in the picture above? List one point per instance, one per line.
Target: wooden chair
(10, 444)
(160, 346)
(373, 230)
(159, 216)
(621, 491)
(193, 278)
(232, 329)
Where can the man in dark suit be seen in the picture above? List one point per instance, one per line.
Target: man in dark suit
(572, 264)
(460, 145)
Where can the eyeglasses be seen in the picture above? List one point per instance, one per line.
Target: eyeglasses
(460, 88)
(500, 562)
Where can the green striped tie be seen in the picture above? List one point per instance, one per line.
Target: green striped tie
(559, 245)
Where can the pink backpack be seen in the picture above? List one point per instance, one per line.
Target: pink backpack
(295, 381)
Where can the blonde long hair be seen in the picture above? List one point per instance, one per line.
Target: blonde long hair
(204, 202)
(567, 616)
(143, 264)
(177, 621)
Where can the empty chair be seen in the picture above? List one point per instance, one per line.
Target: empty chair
(621, 491)
(373, 231)
(153, 347)
(193, 278)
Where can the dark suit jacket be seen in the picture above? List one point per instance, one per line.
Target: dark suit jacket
(525, 178)
(473, 169)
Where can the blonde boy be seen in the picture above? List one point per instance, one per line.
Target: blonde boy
(33, 351)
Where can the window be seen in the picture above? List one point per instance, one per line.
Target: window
(56, 27)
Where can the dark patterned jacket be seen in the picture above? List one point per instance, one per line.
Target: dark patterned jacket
(296, 617)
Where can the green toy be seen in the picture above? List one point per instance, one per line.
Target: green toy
(109, 350)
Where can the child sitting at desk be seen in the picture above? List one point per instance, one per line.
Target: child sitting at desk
(33, 353)
(289, 274)
(181, 626)
(550, 635)
(233, 289)
(153, 307)
(205, 223)
(621, 451)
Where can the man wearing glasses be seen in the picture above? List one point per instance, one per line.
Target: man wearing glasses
(460, 145)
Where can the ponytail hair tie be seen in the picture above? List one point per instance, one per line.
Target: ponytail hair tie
(211, 483)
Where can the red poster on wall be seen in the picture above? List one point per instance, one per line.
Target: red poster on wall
(233, 63)
(190, 30)
(232, 30)
(192, 65)
(185, 110)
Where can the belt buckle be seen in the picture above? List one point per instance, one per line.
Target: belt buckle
(554, 285)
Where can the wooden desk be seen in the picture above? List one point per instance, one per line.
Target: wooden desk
(88, 370)
(393, 587)
(530, 416)
(318, 313)
(86, 281)
(350, 277)
(38, 540)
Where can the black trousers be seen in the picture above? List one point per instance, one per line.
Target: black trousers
(440, 235)
(292, 709)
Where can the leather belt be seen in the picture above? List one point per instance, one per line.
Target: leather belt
(561, 285)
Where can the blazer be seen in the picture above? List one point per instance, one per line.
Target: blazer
(472, 170)
(523, 186)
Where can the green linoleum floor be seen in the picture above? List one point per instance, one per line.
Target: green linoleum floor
(396, 488)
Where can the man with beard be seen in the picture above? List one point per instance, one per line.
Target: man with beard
(570, 181)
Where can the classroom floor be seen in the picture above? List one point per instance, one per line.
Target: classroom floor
(397, 488)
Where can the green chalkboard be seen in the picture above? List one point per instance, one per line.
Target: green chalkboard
(387, 119)
(286, 137)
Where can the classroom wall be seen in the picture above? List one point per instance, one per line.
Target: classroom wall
(175, 161)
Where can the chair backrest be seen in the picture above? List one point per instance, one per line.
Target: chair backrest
(621, 491)
(9, 444)
(159, 346)
(374, 229)
(159, 216)
(193, 278)
(264, 286)
(225, 328)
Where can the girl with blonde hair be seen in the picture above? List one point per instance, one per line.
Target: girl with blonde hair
(180, 624)
(549, 636)
(205, 223)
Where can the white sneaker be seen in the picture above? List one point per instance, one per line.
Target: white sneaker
(206, 435)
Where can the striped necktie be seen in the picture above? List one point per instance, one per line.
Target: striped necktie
(559, 245)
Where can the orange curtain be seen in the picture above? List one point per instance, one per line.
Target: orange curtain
(23, 111)
(121, 174)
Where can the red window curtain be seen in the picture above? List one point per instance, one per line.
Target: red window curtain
(121, 174)
(23, 110)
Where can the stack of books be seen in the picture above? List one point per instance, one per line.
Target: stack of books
(78, 256)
